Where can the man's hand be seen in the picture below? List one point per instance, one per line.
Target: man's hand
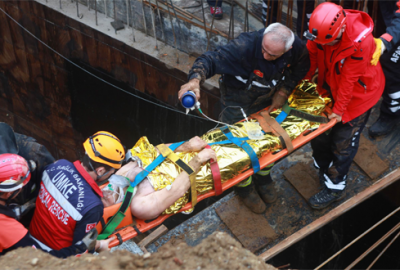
(380, 48)
(337, 117)
(203, 156)
(102, 245)
(278, 100)
(192, 85)
(195, 144)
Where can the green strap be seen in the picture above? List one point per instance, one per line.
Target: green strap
(306, 116)
(113, 223)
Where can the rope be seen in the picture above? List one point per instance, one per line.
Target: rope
(93, 75)
(358, 238)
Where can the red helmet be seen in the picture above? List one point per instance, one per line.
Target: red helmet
(14, 172)
(325, 23)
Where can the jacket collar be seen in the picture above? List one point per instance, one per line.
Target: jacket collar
(88, 178)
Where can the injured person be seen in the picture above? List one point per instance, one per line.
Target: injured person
(166, 188)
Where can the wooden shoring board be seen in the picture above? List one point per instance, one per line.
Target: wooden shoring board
(336, 212)
(252, 230)
(368, 160)
(304, 179)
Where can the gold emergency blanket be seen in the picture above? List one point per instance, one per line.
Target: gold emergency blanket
(232, 160)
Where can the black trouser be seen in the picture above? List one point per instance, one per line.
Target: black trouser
(251, 101)
(390, 62)
(212, 3)
(334, 152)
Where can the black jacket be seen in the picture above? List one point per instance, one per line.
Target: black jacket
(243, 55)
(391, 14)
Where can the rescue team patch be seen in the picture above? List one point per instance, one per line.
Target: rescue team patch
(259, 73)
(90, 226)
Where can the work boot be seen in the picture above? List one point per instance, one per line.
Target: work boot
(383, 126)
(265, 187)
(216, 12)
(325, 197)
(251, 199)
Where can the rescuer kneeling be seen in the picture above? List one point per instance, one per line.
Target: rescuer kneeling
(14, 175)
(341, 46)
(69, 203)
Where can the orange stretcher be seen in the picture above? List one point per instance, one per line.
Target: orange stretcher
(130, 226)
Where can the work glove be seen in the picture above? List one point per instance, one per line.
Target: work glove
(380, 48)
(90, 239)
(278, 100)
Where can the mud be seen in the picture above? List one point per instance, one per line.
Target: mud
(252, 230)
(219, 251)
(368, 160)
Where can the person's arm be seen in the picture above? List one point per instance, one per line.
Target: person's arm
(353, 68)
(227, 59)
(312, 54)
(88, 222)
(392, 35)
(149, 204)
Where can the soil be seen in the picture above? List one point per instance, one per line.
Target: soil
(218, 251)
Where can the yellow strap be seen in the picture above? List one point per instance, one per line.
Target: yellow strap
(168, 153)
(193, 190)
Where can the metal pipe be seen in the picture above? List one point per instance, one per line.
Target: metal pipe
(231, 24)
(105, 8)
(302, 19)
(383, 251)
(154, 25)
(246, 17)
(115, 11)
(95, 10)
(144, 19)
(267, 14)
(127, 12)
(133, 21)
(204, 20)
(60, 5)
(77, 10)
(212, 23)
(173, 31)
(179, 25)
(88, 4)
(161, 22)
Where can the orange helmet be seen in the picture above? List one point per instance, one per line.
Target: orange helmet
(325, 23)
(105, 148)
(14, 172)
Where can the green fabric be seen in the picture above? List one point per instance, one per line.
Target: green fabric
(113, 223)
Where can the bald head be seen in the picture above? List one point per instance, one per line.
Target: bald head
(279, 33)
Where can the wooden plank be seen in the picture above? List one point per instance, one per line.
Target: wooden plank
(341, 209)
(304, 179)
(368, 160)
(160, 231)
(252, 230)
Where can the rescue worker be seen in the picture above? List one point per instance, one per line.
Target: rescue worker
(69, 203)
(14, 175)
(341, 47)
(258, 69)
(390, 44)
(34, 153)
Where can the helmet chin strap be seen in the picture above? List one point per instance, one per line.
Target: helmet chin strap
(8, 200)
(97, 176)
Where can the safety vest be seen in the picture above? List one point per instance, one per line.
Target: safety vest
(67, 193)
(11, 231)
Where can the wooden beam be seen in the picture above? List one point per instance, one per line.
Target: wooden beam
(160, 231)
(339, 210)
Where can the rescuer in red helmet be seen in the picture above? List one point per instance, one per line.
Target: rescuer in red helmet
(14, 175)
(341, 46)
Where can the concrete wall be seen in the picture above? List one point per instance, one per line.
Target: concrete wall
(43, 96)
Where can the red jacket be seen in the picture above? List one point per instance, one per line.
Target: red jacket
(355, 85)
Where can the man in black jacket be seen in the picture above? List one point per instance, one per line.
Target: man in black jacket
(390, 61)
(258, 69)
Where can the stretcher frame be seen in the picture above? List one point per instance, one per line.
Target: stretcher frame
(130, 226)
